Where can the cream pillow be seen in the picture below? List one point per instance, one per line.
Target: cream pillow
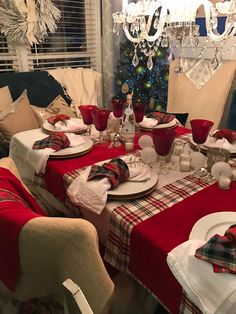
(57, 106)
(21, 118)
(207, 102)
(5, 97)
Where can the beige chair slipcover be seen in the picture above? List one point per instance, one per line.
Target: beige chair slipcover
(208, 102)
(53, 249)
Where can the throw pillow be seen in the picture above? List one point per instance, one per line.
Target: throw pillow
(21, 118)
(5, 97)
(57, 106)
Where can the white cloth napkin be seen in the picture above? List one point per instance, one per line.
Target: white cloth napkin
(219, 143)
(92, 194)
(70, 126)
(211, 292)
(38, 157)
(148, 122)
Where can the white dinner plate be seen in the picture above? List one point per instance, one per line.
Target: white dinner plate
(73, 151)
(131, 190)
(159, 126)
(79, 127)
(204, 147)
(208, 226)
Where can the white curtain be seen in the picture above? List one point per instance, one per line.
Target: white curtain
(110, 47)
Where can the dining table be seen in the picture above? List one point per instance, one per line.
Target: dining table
(137, 233)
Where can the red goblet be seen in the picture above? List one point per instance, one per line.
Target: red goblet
(117, 106)
(100, 120)
(86, 113)
(200, 130)
(139, 111)
(163, 140)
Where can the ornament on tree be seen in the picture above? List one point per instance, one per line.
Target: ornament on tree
(125, 88)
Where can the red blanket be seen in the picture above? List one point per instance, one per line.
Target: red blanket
(152, 239)
(55, 169)
(17, 207)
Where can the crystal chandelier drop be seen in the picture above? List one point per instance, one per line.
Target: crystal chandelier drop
(171, 23)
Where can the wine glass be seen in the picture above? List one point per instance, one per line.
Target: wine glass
(117, 107)
(139, 111)
(86, 113)
(163, 139)
(100, 120)
(200, 131)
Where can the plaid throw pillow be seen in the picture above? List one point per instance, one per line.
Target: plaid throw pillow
(55, 141)
(59, 117)
(116, 171)
(161, 117)
(220, 251)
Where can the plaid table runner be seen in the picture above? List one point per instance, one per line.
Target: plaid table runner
(125, 217)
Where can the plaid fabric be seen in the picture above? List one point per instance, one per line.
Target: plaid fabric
(230, 135)
(60, 117)
(116, 171)
(220, 251)
(187, 306)
(6, 195)
(123, 218)
(55, 141)
(161, 117)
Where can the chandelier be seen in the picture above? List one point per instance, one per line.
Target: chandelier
(151, 24)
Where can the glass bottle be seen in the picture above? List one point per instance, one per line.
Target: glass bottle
(128, 123)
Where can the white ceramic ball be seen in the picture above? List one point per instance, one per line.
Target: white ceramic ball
(145, 141)
(221, 168)
(197, 160)
(148, 155)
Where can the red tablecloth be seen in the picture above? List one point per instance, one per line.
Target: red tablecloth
(152, 239)
(17, 207)
(55, 170)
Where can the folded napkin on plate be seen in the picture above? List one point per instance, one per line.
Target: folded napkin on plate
(229, 135)
(92, 194)
(115, 171)
(218, 143)
(41, 149)
(153, 119)
(211, 292)
(59, 117)
(55, 141)
(220, 251)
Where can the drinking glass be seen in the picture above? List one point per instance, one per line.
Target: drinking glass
(139, 111)
(200, 131)
(100, 119)
(163, 140)
(117, 107)
(86, 113)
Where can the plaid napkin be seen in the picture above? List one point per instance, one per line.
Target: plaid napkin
(55, 141)
(161, 117)
(59, 117)
(220, 251)
(229, 135)
(116, 171)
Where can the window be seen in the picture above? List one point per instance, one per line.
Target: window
(76, 43)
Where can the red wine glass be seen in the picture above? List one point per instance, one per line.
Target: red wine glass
(86, 113)
(100, 120)
(200, 130)
(117, 106)
(139, 111)
(163, 140)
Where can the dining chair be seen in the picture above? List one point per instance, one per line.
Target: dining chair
(74, 299)
(52, 249)
(208, 102)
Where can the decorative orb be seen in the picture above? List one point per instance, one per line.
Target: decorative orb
(159, 107)
(145, 141)
(197, 160)
(148, 155)
(159, 53)
(148, 84)
(140, 69)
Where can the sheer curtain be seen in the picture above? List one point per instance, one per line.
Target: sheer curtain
(110, 47)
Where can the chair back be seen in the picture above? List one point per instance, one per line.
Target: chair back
(74, 299)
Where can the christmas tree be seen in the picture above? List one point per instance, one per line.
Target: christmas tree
(149, 86)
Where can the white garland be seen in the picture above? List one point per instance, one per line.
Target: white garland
(28, 21)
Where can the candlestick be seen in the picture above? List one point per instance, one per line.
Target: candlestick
(185, 165)
(129, 146)
(233, 174)
(224, 182)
